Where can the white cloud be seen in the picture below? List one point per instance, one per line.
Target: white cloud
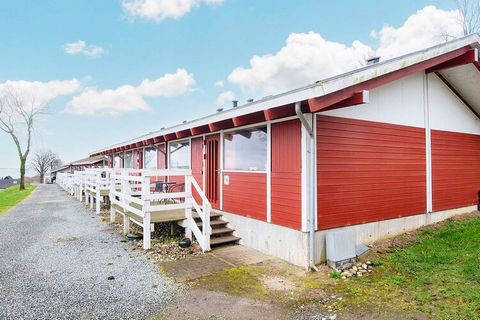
(171, 84)
(225, 97)
(427, 27)
(306, 57)
(218, 84)
(128, 98)
(92, 101)
(159, 10)
(41, 92)
(81, 47)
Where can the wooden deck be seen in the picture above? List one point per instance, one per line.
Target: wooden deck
(156, 216)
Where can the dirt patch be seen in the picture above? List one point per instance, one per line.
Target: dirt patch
(205, 304)
(278, 284)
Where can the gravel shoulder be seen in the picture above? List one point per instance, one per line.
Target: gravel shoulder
(56, 259)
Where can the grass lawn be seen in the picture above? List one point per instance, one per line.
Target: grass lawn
(10, 197)
(434, 272)
(431, 273)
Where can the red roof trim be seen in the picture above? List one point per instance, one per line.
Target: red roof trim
(221, 125)
(317, 104)
(471, 56)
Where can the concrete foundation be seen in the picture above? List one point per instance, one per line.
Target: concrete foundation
(370, 232)
(292, 245)
(277, 241)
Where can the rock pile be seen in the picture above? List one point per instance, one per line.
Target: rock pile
(358, 270)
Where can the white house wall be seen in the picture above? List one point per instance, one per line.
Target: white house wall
(400, 102)
(447, 111)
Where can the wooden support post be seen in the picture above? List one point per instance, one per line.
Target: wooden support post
(112, 214)
(126, 224)
(147, 231)
(97, 201)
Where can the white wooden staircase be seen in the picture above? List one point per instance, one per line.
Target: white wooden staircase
(221, 233)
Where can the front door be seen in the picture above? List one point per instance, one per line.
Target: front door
(212, 170)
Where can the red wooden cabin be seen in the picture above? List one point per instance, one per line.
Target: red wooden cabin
(383, 149)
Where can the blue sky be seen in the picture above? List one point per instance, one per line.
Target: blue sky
(208, 42)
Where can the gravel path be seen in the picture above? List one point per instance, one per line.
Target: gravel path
(56, 256)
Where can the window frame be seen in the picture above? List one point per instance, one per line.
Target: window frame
(169, 154)
(252, 128)
(125, 159)
(155, 160)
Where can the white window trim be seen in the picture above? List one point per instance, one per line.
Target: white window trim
(190, 152)
(266, 125)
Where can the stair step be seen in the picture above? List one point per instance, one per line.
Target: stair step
(212, 215)
(223, 240)
(216, 231)
(213, 223)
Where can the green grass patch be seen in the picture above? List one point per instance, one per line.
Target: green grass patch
(10, 197)
(240, 281)
(438, 275)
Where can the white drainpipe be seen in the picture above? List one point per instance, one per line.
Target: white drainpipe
(311, 186)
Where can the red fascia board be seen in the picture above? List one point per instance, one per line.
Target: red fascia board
(149, 141)
(279, 112)
(468, 57)
(320, 103)
(183, 134)
(250, 118)
(459, 96)
(221, 125)
(200, 130)
(169, 137)
(139, 144)
(159, 139)
(357, 98)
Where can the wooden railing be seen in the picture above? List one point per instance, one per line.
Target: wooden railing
(95, 181)
(131, 195)
(131, 192)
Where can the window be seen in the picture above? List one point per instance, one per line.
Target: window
(128, 163)
(117, 161)
(150, 158)
(179, 154)
(246, 149)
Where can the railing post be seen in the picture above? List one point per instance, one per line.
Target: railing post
(146, 212)
(188, 207)
(97, 192)
(111, 196)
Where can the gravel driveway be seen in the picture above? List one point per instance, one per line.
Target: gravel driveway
(56, 258)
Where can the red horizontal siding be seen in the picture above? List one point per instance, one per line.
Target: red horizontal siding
(286, 194)
(246, 194)
(368, 171)
(455, 169)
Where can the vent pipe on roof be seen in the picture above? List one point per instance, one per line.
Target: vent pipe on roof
(250, 100)
(219, 109)
(373, 60)
(235, 103)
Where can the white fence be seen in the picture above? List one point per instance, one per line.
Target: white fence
(144, 197)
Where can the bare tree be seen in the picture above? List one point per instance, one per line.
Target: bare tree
(17, 115)
(43, 161)
(470, 15)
